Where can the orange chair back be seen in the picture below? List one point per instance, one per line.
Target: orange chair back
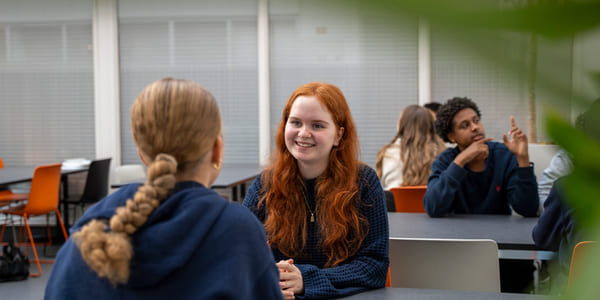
(44, 193)
(580, 259)
(4, 192)
(409, 198)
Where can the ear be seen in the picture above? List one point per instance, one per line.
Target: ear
(218, 151)
(141, 156)
(451, 137)
(338, 138)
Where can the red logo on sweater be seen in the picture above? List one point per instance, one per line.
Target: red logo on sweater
(497, 188)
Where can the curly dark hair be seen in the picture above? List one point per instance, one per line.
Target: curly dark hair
(446, 113)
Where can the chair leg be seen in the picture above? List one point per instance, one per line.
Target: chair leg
(22, 237)
(48, 232)
(82, 207)
(62, 225)
(2, 232)
(388, 281)
(72, 214)
(8, 221)
(37, 260)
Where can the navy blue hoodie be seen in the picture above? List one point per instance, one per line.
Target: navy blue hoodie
(500, 186)
(557, 230)
(195, 245)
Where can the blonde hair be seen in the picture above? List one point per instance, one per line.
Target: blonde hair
(419, 145)
(172, 121)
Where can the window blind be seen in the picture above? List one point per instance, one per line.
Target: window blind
(210, 42)
(371, 58)
(499, 90)
(46, 81)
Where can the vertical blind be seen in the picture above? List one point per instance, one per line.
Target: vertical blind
(210, 42)
(372, 59)
(460, 71)
(46, 81)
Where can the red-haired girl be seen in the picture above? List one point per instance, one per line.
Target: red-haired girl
(323, 210)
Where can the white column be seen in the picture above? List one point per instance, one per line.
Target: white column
(264, 88)
(424, 63)
(106, 80)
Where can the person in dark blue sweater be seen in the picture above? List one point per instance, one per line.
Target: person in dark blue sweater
(479, 176)
(556, 230)
(323, 210)
(172, 236)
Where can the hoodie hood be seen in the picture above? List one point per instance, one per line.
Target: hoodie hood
(172, 233)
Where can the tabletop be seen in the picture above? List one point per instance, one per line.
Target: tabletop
(509, 231)
(230, 176)
(18, 174)
(409, 293)
(235, 174)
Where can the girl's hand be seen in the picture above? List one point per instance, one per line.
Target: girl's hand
(290, 279)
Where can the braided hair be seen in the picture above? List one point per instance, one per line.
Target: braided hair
(174, 123)
(109, 252)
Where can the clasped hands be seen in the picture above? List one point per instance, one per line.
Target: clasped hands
(290, 279)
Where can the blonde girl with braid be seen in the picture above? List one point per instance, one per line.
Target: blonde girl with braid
(172, 235)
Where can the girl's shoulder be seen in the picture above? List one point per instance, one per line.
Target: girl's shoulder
(392, 151)
(366, 173)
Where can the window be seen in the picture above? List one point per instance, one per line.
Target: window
(371, 58)
(46, 81)
(484, 72)
(210, 42)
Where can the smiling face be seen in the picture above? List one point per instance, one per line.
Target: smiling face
(466, 128)
(310, 134)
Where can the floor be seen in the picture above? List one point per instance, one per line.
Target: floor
(33, 287)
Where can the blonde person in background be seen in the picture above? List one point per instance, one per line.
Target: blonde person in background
(172, 235)
(406, 161)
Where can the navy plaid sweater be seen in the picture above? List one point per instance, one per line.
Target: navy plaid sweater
(365, 270)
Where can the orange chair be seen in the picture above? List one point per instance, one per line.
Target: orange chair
(409, 198)
(42, 200)
(580, 259)
(6, 196)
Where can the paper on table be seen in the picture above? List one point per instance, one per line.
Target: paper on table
(75, 163)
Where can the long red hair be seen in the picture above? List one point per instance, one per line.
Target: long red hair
(342, 227)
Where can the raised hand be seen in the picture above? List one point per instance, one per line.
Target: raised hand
(290, 279)
(518, 143)
(477, 150)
